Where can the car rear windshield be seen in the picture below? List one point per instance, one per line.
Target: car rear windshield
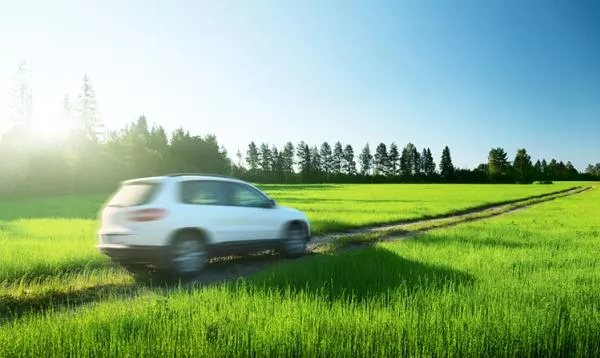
(134, 194)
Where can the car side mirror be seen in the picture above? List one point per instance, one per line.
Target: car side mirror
(270, 203)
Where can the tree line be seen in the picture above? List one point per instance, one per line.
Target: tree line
(269, 164)
(90, 159)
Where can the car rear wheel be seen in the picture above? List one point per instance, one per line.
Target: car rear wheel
(294, 243)
(188, 255)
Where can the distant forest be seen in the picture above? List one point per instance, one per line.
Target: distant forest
(91, 160)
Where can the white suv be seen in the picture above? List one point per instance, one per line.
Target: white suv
(177, 222)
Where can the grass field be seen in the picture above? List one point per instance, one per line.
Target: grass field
(56, 236)
(525, 284)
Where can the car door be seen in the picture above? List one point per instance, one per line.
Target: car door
(207, 206)
(253, 214)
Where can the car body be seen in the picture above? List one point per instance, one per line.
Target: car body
(177, 222)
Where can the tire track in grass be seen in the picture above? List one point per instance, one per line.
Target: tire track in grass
(369, 236)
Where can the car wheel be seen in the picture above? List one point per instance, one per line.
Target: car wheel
(188, 255)
(294, 243)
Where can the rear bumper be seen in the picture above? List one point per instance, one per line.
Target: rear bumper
(156, 256)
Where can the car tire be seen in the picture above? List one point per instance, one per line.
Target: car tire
(295, 241)
(188, 255)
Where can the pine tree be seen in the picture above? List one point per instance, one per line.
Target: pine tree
(408, 160)
(288, 158)
(446, 166)
(304, 159)
(393, 160)
(380, 159)
(326, 158)
(315, 163)
(252, 157)
(265, 158)
(366, 160)
(427, 163)
(349, 165)
(20, 98)
(336, 159)
(416, 159)
(275, 160)
(89, 121)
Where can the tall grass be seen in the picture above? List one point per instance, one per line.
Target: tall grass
(525, 284)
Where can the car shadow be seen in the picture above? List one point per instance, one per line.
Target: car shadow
(353, 275)
(356, 275)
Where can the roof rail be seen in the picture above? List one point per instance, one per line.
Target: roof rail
(200, 174)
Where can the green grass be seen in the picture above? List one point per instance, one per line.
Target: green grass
(524, 284)
(45, 237)
(338, 207)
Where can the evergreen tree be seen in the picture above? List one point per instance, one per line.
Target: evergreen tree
(544, 170)
(408, 160)
(326, 158)
(88, 114)
(552, 170)
(446, 166)
(380, 159)
(571, 172)
(393, 160)
(275, 160)
(416, 159)
(265, 158)
(336, 159)
(427, 163)
(304, 159)
(252, 157)
(537, 170)
(288, 158)
(20, 102)
(315, 163)
(277, 164)
(366, 159)
(349, 165)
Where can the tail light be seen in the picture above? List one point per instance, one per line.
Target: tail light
(145, 215)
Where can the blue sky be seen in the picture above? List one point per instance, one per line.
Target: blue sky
(468, 74)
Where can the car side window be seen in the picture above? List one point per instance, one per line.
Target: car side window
(243, 195)
(203, 192)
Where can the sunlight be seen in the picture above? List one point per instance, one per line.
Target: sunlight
(54, 131)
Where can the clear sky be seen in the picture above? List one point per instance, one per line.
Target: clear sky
(469, 74)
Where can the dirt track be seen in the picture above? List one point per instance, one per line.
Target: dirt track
(230, 268)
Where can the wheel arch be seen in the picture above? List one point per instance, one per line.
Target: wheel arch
(201, 233)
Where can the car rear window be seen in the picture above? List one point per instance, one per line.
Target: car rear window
(134, 194)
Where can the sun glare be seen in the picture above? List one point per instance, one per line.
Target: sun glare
(55, 131)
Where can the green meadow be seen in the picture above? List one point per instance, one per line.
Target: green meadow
(522, 284)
